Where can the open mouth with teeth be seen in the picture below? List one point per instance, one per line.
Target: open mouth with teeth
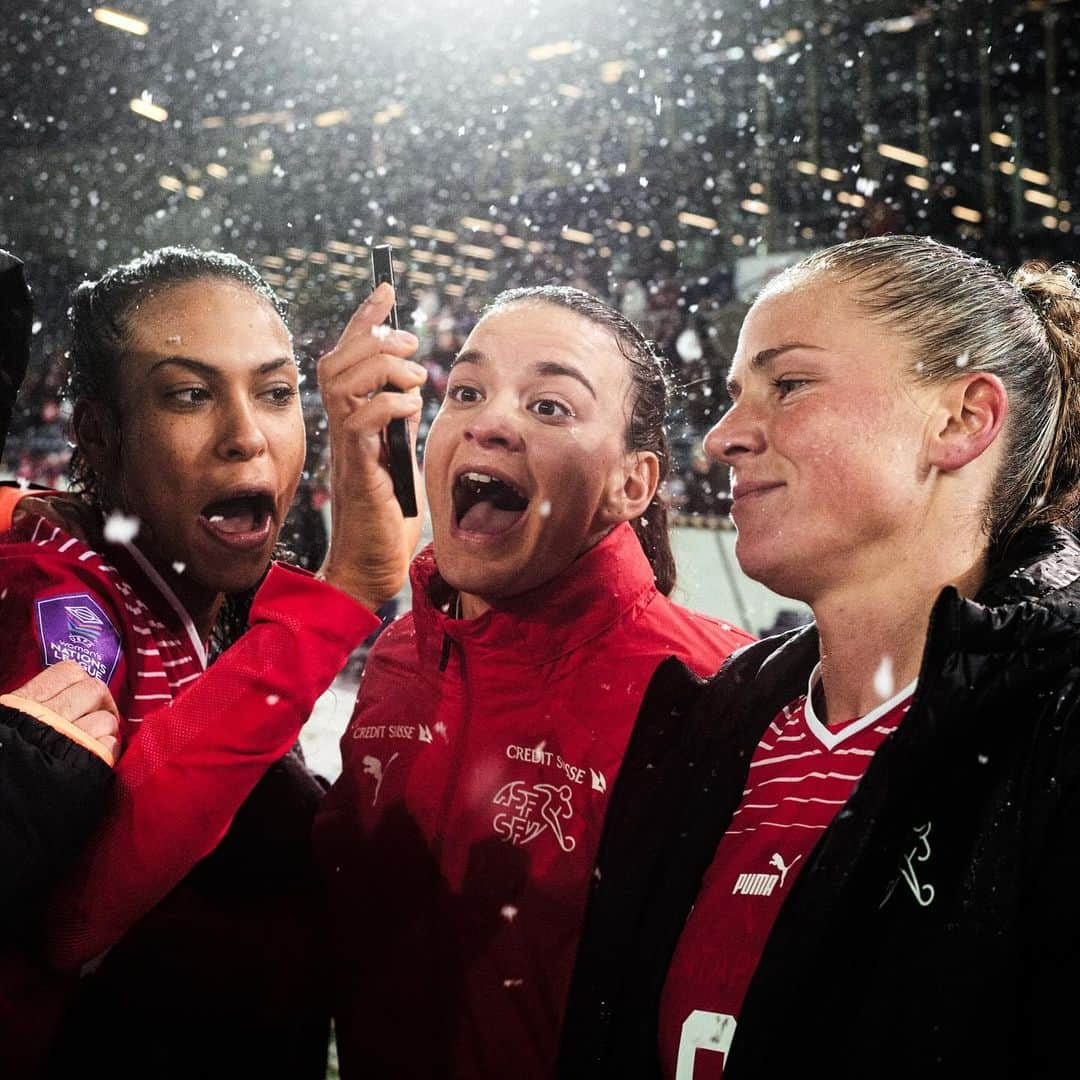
(239, 517)
(486, 504)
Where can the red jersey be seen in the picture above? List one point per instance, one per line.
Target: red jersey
(458, 843)
(194, 744)
(801, 774)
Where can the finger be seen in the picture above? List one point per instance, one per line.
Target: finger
(49, 682)
(370, 316)
(110, 743)
(79, 699)
(380, 410)
(100, 724)
(361, 349)
(374, 311)
(364, 380)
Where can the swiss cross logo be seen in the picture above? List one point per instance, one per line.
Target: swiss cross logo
(532, 810)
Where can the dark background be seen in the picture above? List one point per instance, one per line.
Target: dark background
(666, 156)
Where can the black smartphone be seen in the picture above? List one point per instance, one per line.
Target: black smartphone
(396, 434)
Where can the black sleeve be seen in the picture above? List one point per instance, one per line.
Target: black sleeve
(52, 793)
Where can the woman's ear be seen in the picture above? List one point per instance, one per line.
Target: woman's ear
(97, 435)
(632, 487)
(974, 412)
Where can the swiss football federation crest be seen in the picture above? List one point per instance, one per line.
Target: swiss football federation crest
(74, 627)
(532, 810)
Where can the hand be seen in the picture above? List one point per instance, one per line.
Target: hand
(77, 697)
(371, 541)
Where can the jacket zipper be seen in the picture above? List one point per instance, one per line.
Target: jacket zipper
(455, 765)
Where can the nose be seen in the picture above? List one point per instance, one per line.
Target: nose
(492, 424)
(240, 437)
(736, 433)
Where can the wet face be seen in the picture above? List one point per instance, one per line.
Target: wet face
(525, 464)
(826, 442)
(211, 436)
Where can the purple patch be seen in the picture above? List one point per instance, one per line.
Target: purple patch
(73, 627)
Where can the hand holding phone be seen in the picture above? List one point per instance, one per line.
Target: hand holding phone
(396, 435)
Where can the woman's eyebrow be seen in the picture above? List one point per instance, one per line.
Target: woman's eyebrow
(544, 367)
(209, 371)
(766, 356)
(469, 356)
(763, 359)
(551, 367)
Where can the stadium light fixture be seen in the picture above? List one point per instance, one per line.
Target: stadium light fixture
(144, 107)
(119, 21)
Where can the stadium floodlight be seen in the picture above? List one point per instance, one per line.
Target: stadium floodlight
(119, 21)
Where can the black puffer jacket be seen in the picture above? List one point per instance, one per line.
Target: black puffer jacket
(52, 793)
(861, 977)
(226, 977)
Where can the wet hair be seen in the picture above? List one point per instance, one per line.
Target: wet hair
(961, 314)
(102, 313)
(649, 389)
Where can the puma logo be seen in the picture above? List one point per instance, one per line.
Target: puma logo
(374, 767)
(778, 861)
(764, 884)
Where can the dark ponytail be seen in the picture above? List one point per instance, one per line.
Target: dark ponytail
(645, 428)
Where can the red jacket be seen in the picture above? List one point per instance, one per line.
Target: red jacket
(194, 743)
(458, 841)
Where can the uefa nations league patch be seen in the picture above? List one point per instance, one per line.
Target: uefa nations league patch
(74, 627)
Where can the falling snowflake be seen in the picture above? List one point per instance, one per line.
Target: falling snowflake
(121, 528)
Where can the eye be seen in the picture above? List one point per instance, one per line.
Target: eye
(786, 386)
(281, 395)
(188, 396)
(549, 407)
(464, 393)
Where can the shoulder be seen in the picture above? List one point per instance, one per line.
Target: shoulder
(60, 600)
(756, 679)
(392, 658)
(397, 636)
(700, 640)
(39, 555)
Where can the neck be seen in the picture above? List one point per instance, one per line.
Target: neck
(199, 602)
(872, 638)
(471, 606)
(201, 606)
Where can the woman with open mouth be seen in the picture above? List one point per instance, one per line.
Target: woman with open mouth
(189, 444)
(458, 843)
(853, 853)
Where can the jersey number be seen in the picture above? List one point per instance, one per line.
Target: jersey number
(703, 1031)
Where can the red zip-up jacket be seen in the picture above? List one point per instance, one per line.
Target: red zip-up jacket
(458, 842)
(194, 742)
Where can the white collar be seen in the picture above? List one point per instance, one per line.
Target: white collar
(832, 737)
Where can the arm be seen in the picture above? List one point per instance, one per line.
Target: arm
(57, 735)
(186, 772)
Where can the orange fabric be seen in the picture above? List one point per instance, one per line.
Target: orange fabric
(9, 498)
(58, 723)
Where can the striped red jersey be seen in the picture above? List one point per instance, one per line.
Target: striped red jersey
(111, 613)
(194, 741)
(801, 774)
